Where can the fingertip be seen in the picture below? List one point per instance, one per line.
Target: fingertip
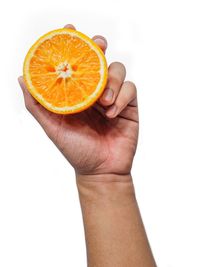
(101, 42)
(112, 112)
(101, 38)
(20, 79)
(70, 26)
(117, 67)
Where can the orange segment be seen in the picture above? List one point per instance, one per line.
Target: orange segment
(65, 71)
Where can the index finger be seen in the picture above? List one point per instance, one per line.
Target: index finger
(101, 42)
(98, 39)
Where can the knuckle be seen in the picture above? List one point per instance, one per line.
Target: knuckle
(121, 101)
(27, 105)
(128, 92)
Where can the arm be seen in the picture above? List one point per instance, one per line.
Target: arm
(100, 143)
(114, 231)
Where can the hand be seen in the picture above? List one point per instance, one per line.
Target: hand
(102, 139)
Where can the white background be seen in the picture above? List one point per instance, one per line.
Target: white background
(159, 42)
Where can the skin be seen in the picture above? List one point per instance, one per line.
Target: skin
(100, 143)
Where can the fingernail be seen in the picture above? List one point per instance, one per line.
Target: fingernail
(108, 95)
(112, 111)
(100, 41)
(100, 37)
(20, 79)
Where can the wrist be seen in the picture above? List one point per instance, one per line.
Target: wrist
(103, 187)
(103, 178)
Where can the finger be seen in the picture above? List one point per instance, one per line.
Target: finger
(129, 113)
(101, 41)
(70, 26)
(133, 103)
(29, 101)
(33, 106)
(116, 76)
(126, 95)
(100, 109)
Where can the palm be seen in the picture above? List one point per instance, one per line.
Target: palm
(91, 142)
(94, 144)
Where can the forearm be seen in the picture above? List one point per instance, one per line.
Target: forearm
(114, 232)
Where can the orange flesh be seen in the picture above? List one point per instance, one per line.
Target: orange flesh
(64, 70)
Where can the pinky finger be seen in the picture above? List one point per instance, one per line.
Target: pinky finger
(126, 95)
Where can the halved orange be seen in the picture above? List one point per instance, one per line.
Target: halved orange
(65, 71)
